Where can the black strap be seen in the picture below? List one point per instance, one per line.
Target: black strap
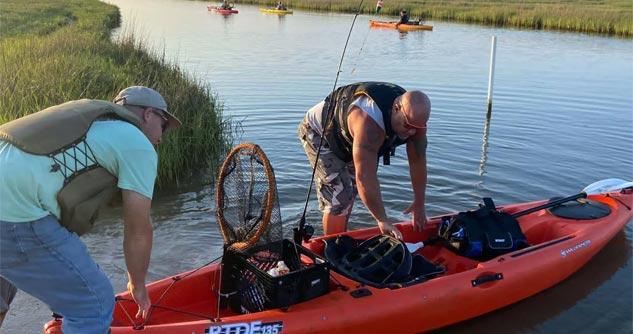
(489, 204)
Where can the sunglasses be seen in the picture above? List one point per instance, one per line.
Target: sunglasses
(407, 124)
(165, 121)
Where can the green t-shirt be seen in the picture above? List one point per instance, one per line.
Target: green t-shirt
(28, 188)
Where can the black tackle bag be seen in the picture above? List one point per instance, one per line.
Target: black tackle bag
(482, 234)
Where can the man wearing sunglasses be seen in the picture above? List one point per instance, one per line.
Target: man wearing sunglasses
(358, 124)
(58, 168)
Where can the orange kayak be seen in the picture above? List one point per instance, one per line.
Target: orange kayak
(400, 27)
(188, 303)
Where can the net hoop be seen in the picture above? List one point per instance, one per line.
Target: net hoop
(225, 227)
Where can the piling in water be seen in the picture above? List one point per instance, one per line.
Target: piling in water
(493, 51)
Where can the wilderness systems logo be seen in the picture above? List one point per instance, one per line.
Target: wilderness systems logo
(570, 250)
(254, 327)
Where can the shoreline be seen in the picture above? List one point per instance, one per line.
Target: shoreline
(60, 51)
(612, 18)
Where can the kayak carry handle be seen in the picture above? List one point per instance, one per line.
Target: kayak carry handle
(486, 278)
(550, 204)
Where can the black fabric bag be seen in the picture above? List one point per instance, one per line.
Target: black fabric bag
(482, 234)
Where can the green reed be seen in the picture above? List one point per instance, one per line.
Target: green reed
(609, 17)
(71, 57)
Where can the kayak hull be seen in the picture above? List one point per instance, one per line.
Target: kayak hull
(222, 11)
(400, 27)
(275, 11)
(559, 248)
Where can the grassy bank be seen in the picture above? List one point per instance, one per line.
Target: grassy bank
(609, 17)
(56, 50)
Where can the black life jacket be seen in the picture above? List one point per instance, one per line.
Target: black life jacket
(482, 234)
(337, 108)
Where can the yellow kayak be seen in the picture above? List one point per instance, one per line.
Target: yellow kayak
(275, 11)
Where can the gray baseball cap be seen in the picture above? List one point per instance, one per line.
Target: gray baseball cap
(146, 97)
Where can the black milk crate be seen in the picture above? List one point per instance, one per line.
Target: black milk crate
(249, 288)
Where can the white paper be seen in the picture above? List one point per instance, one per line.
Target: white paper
(414, 247)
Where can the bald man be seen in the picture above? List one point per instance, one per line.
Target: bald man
(367, 120)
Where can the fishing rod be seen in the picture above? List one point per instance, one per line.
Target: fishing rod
(305, 232)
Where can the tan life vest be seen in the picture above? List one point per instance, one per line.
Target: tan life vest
(62, 130)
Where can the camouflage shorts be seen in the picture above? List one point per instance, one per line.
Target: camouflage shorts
(335, 181)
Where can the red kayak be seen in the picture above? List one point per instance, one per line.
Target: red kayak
(558, 244)
(221, 10)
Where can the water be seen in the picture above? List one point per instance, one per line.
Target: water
(562, 118)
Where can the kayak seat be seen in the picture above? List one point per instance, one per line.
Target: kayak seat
(380, 261)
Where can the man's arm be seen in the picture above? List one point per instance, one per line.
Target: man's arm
(137, 245)
(368, 138)
(416, 153)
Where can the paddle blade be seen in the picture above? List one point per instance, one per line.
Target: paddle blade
(607, 185)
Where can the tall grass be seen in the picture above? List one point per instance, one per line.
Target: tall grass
(71, 57)
(609, 17)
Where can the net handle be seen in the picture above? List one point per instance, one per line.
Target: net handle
(270, 196)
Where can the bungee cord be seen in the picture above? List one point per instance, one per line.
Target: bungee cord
(156, 305)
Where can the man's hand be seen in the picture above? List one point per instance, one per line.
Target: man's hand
(387, 228)
(419, 216)
(139, 294)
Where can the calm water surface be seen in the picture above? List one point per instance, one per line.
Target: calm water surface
(562, 118)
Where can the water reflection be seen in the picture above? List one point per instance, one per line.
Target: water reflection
(484, 144)
(281, 17)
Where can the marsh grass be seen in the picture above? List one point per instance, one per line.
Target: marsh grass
(609, 17)
(44, 66)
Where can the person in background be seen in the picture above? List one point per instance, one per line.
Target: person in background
(404, 17)
(58, 167)
(367, 120)
(379, 6)
(225, 5)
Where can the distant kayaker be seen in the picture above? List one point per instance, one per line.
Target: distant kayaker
(379, 6)
(225, 5)
(58, 167)
(369, 120)
(404, 17)
(280, 6)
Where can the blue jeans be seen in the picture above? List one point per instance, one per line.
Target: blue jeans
(45, 260)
